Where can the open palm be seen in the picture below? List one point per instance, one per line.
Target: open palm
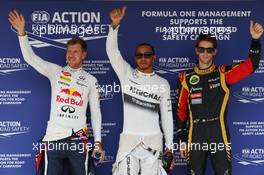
(17, 21)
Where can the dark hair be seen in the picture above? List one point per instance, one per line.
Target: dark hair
(206, 37)
(78, 41)
(146, 44)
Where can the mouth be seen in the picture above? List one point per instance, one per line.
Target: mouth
(143, 62)
(71, 59)
(142, 65)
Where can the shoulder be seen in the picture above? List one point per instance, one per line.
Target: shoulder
(185, 74)
(224, 68)
(89, 79)
(89, 76)
(161, 80)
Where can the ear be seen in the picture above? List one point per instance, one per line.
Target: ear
(215, 52)
(84, 54)
(135, 59)
(154, 58)
(196, 52)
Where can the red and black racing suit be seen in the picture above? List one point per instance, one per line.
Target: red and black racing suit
(202, 98)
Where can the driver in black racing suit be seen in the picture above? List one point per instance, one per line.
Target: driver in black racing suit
(203, 96)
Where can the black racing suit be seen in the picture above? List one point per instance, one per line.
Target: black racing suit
(202, 99)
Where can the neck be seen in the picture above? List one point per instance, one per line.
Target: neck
(146, 71)
(76, 67)
(204, 66)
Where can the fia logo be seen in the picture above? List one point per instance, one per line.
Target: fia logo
(40, 17)
(246, 89)
(162, 60)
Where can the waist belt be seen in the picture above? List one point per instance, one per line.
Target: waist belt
(205, 120)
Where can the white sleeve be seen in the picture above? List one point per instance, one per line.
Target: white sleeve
(119, 65)
(166, 115)
(44, 67)
(94, 103)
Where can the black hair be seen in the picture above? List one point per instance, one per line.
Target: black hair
(206, 37)
(145, 44)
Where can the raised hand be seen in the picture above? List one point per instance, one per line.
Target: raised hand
(117, 15)
(17, 21)
(256, 30)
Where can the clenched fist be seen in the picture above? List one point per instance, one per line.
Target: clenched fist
(256, 30)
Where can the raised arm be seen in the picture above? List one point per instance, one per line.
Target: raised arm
(119, 65)
(46, 68)
(235, 73)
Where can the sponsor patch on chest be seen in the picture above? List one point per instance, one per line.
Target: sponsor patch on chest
(196, 95)
(212, 86)
(196, 101)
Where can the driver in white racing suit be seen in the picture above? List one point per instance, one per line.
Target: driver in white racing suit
(145, 95)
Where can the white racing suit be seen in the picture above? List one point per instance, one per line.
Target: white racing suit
(71, 91)
(144, 97)
(133, 155)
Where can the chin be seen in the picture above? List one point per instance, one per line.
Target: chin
(143, 68)
(72, 65)
(206, 61)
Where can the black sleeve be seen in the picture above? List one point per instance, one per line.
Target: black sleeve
(255, 53)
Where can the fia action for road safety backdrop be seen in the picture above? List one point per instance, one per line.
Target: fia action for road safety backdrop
(171, 27)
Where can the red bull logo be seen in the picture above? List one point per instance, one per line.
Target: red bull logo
(65, 91)
(77, 94)
(69, 100)
(71, 92)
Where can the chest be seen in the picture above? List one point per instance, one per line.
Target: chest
(71, 84)
(205, 86)
(144, 88)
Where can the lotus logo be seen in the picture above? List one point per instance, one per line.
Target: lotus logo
(40, 17)
(68, 109)
(194, 79)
